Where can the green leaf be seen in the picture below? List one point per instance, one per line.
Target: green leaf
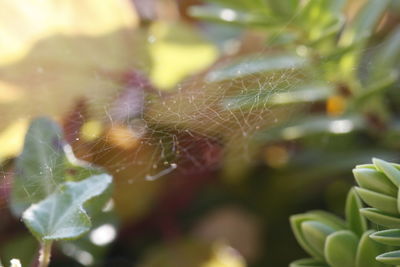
(367, 250)
(262, 98)
(39, 169)
(355, 221)
(313, 125)
(386, 58)
(381, 218)
(45, 162)
(255, 65)
(61, 215)
(315, 234)
(371, 179)
(389, 237)
(392, 257)
(364, 23)
(296, 222)
(231, 16)
(377, 200)
(308, 263)
(388, 169)
(341, 248)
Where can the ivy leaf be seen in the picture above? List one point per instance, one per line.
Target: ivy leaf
(39, 169)
(45, 162)
(61, 215)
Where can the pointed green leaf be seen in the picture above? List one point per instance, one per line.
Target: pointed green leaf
(231, 16)
(61, 215)
(341, 249)
(379, 201)
(389, 237)
(389, 170)
(381, 218)
(367, 251)
(355, 221)
(39, 169)
(255, 65)
(363, 25)
(308, 263)
(392, 257)
(374, 180)
(260, 99)
(315, 234)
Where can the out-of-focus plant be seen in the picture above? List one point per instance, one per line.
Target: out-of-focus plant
(51, 188)
(329, 47)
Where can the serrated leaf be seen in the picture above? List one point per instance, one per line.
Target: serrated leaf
(392, 257)
(389, 237)
(40, 167)
(355, 221)
(61, 215)
(388, 169)
(367, 250)
(371, 179)
(341, 249)
(379, 201)
(254, 65)
(308, 263)
(381, 218)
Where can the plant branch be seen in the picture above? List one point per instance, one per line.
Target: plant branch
(45, 253)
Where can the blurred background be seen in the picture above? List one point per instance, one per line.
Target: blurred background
(218, 119)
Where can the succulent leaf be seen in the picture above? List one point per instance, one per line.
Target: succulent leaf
(389, 170)
(355, 221)
(381, 218)
(389, 237)
(377, 200)
(374, 180)
(341, 248)
(367, 250)
(308, 263)
(315, 233)
(392, 257)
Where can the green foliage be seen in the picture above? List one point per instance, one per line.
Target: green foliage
(51, 187)
(61, 215)
(332, 242)
(384, 203)
(378, 183)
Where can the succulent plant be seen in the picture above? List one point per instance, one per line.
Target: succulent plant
(379, 188)
(332, 241)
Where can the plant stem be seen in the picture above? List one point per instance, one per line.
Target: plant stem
(45, 252)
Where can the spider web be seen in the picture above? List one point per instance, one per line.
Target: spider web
(189, 129)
